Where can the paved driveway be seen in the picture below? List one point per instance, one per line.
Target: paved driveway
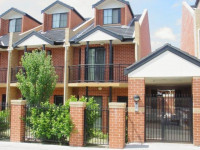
(147, 146)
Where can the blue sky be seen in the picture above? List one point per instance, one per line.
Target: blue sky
(164, 15)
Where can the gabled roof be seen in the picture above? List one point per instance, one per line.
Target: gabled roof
(100, 29)
(20, 12)
(65, 5)
(122, 1)
(160, 51)
(32, 34)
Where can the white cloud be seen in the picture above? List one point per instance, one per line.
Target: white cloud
(165, 33)
(178, 22)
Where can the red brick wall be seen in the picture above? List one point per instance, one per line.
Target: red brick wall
(187, 32)
(28, 23)
(122, 16)
(57, 56)
(98, 20)
(196, 106)
(17, 130)
(74, 19)
(4, 26)
(145, 43)
(77, 136)
(117, 128)
(128, 16)
(136, 120)
(47, 22)
(3, 59)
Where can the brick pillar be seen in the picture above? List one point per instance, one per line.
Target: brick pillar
(117, 125)
(196, 110)
(18, 111)
(77, 116)
(136, 120)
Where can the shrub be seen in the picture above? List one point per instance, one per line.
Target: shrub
(4, 121)
(50, 122)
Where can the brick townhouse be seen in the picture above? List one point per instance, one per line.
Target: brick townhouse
(109, 57)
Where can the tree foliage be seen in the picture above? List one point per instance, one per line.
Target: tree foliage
(37, 79)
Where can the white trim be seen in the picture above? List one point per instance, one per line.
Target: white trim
(166, 64)
(143, 16)
(32, 41)
(82, 24)
(189, 8)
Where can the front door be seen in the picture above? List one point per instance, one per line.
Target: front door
(58, 100)
(96, 63)
(123, 99)
(168, 118)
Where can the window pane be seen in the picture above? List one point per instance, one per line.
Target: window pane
(18, 25)
(108, 16)
(115, 18)
(56, 20)
(63, 20)
(12, 25)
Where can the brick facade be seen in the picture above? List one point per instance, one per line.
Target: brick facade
(187, 31)
(4, 24)
(3, 59)
(17, 130)
(196, 110)
(47, 22)
(136, 120)
(117, 125)
(57, 92)
(77, 116)
(74, 19)
(28, 23)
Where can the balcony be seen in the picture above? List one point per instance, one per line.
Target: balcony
(98, 73)
(3, 75)
(59, 71)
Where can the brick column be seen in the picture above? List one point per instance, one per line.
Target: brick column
(196, 110)
(77, 116)
(117, 125)
(136, 120)
(18, 111)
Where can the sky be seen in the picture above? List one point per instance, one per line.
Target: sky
(164, 15)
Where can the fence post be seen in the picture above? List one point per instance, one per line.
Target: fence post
(77, 115)
(18, 112)
(117, 125)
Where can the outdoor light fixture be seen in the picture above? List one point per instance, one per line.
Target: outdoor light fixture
(136, 99)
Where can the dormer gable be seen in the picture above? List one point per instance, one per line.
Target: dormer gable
(61, 15)
(109, 12)
(14, 20)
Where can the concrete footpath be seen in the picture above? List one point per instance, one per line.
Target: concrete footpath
(146, 146)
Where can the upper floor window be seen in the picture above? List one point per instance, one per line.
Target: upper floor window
(59, 20)
(15, 25)
(112, 16)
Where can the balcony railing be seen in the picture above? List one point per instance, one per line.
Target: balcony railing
(3, 75)
(59, 71)
(97, 73)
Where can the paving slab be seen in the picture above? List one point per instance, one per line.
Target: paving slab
(133, 146)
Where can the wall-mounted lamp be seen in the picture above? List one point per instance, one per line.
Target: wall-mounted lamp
(136, 99)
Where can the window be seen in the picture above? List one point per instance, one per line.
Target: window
(15, 25)
(59, 20)
(112, 16)
(58, 100)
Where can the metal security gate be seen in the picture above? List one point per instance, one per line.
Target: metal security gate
(168, 118)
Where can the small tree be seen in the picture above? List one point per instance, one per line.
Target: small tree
(37, 79)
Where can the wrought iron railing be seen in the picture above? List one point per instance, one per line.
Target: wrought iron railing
(97, 73)
(4, 121)
(3, 75)
(59, 71)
